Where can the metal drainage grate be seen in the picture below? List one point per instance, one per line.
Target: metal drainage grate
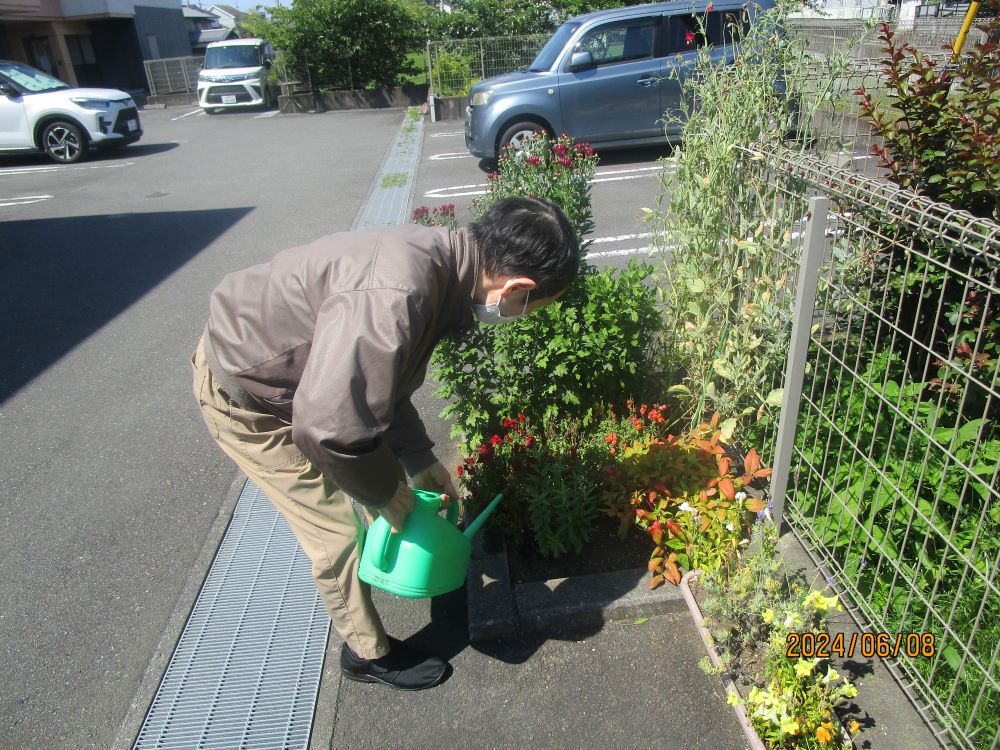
(246, 669)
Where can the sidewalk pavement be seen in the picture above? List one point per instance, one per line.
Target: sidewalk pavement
(624, 685)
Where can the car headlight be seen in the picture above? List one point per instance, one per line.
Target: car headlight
(481, 98)
(91, 103)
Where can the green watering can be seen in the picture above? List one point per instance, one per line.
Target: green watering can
(430, 556)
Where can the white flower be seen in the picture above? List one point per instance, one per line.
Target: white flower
(729, 527)
(688, 508)
(741, 496)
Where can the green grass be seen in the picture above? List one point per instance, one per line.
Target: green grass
(417, 60)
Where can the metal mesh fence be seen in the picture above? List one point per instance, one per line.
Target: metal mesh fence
(456, 64)
(173, 75)
(895, 450)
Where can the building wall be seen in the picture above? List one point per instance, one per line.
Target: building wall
(166, 27)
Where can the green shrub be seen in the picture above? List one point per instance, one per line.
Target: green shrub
(592, 347)
(940, 123)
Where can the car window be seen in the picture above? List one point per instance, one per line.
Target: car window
(686, 33)
(233, 56)
(620, 41)
(28, 79)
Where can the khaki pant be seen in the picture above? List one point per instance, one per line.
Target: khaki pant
(321, 516)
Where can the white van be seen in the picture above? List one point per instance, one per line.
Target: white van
(237, 73)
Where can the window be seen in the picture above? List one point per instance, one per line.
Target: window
(81, 51)
(686, 33)
(621, 41)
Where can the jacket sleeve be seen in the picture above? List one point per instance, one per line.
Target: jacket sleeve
(346, 400)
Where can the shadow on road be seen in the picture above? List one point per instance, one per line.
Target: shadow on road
(62, 279)
(609, 157)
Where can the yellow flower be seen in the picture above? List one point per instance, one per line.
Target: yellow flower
(768, 616)
(821, 603)
(733, 698)
(804, 667)
(854, 727)
(831, 676)
(789, 726)
(823, 735)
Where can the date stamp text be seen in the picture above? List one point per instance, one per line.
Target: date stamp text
(866, 645)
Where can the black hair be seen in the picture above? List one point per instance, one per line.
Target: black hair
(529, 237)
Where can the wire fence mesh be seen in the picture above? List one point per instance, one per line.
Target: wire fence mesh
(894, 471)
(456, 64)
(173, 75)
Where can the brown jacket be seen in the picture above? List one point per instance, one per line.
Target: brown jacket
(335, 336)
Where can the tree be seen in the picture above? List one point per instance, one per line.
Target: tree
(343, 43)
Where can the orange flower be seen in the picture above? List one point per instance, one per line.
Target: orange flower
(823, 735)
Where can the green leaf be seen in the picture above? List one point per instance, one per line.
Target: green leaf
(727, 429)
(724, 369)
(775, 397)
(640, 620)
(681, 389)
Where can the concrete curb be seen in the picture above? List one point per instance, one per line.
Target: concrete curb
(499, 610)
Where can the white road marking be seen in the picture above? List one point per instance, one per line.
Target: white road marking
(272, 113)
(447, 135)
(455, 155)
(193, 112)
(636, 173)
(647, 251)
(24, 200)
(61, 168)
(622, 237)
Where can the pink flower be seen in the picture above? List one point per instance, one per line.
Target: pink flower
(689, 37)
(533, 160)
(708, 8)
(565, 161)
(560, 149)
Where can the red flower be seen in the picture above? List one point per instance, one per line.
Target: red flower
(496, 440)
(708, 8)
(643, 409)
(484, 449)
(533, 160)
(689, 37)
(565, 161)
(508, 423)
(560, 149)
(520, 418)
(460, 470)
(530, 441)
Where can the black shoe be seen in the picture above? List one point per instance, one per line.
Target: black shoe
(401, 668)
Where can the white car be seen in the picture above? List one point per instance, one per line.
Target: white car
(236, 73)
(41, 113)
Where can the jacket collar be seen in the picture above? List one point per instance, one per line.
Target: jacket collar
(467, 270)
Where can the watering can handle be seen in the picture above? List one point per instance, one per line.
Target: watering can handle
(379, 536)
(452, 514)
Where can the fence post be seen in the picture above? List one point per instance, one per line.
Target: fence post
(805, 304)
(482, 60)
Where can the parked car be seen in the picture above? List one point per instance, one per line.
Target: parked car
(42, 113)
(606, 77)
(236, 73)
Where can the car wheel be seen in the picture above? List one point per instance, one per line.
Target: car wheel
(64, 142)
(516, 134)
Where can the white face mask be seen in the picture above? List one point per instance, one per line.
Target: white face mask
(491, 315)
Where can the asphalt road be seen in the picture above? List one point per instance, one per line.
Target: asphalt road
(109, 483)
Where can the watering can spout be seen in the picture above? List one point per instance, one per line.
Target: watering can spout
(473, 527)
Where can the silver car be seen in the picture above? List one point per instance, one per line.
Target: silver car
(606, 77)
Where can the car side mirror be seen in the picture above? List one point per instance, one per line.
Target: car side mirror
(267, 64)
(581, 61)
